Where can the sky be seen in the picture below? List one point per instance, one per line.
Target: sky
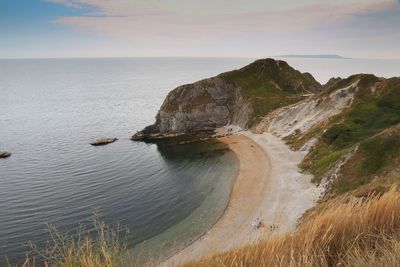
(202, 28)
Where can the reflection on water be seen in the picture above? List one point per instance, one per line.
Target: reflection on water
(173, 150)
(215, 187)
(51, 109)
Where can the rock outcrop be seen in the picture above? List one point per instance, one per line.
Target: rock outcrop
(241, 97)
(4, 154)
(103, 141)
(201, 107)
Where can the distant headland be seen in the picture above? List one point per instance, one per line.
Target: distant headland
(315, 56)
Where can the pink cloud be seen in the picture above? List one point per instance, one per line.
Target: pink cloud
(147, 27)
(134, 26)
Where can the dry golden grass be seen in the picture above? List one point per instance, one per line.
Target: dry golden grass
(101, 248)
(361, 232)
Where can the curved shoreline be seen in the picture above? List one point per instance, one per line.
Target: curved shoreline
(241, 209)
(166, 260)
(269, 186)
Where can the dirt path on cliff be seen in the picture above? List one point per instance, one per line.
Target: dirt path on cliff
(269, 186)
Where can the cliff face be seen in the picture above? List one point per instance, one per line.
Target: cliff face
(304, 115)
(202, 106)
(241, 97)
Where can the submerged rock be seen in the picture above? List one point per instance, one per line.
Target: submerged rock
(4, 154)
(103, 141)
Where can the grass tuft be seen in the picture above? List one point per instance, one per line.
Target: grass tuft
(101, 247)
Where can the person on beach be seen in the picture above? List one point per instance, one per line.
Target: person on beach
(259, 224)
(255, 224)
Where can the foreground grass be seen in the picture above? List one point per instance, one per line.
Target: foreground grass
(347, 231)
(359, 232)
(101, 247)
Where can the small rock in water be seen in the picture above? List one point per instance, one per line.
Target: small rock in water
(103, 141)
(4, 154)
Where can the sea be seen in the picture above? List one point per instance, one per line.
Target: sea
(167, 195)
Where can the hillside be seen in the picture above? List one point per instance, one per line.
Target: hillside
(351, 128)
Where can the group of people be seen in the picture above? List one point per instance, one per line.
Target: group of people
(273, 227)
(257, 224)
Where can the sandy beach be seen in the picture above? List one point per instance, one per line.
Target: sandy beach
(269, 187)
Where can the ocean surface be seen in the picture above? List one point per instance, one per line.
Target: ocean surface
(51, 109)
(167, 195)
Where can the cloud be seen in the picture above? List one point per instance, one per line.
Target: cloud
(204, 7)
(137, 19)
(211, 25)
(67, 3)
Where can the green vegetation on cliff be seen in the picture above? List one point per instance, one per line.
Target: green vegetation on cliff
(270, 84)
(371, 114)
(376, 157)
(369, 128)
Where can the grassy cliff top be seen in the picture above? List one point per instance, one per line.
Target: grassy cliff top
(270, 84)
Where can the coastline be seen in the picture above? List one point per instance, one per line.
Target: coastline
(267, 187)
(241, 211)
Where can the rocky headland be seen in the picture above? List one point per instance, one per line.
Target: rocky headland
(240, 97)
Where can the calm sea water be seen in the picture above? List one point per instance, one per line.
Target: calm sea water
(165, 194)
(49, 112)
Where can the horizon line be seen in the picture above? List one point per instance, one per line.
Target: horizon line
(199, 57)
